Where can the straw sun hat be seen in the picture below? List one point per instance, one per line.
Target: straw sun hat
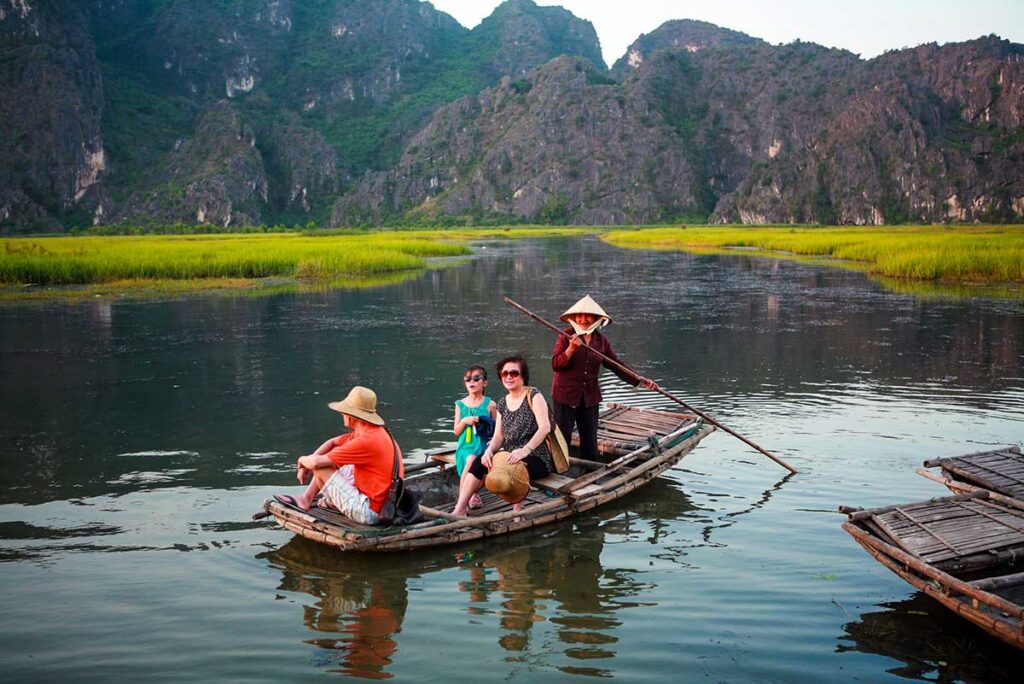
(586, 306)
(509, 481)
(360, 403)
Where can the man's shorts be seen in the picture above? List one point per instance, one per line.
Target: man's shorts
(341, 493)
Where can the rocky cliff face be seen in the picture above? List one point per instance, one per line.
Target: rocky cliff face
(566, 144)
(925, 135)
(52, 154)
(520, 35)
(217, 176)
(119, 110)
(682, 34)
(728, 129)
(345, 111)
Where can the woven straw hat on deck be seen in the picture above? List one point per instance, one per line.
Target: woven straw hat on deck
(509, 481)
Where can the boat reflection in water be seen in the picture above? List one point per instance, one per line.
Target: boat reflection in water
(932, 644)
(558, 579)
(522, 589)
(361, 605)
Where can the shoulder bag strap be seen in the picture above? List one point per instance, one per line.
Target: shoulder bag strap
(551, 414)
(394, 467)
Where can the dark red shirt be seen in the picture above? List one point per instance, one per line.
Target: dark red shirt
(576, 376)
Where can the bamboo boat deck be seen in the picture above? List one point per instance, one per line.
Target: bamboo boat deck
(959, 533)
(1000, 471)
(622, 429)
(641, 444)
(966, 551)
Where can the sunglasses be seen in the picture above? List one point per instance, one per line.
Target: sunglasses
(474, 378)
(511, 373)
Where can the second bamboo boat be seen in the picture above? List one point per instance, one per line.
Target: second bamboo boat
(965, 551)
(636, 445)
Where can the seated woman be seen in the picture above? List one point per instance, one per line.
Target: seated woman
(520, 429)
(351, 472)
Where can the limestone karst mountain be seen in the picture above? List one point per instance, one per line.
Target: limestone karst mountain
(340, 112)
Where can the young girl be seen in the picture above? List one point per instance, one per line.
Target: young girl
(468, 411)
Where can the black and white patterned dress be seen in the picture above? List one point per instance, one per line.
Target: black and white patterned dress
(519, 427)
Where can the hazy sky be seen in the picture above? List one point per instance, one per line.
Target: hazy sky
(867, 27)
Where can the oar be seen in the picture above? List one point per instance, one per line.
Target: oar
(632, 372)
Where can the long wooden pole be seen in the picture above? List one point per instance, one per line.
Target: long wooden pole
(632, 372)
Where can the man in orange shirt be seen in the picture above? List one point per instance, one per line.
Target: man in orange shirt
(351, 472)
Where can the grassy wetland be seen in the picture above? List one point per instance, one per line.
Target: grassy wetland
(925, 259)
(40, 268)
(988, 255)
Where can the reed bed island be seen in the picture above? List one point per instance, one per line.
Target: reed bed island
(145, 265)
(949, 254)
(165, 264)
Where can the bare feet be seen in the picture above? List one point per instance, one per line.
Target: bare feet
(476, 502)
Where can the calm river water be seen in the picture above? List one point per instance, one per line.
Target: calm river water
(139, 437)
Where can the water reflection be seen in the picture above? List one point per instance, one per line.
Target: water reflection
(358, 608)
(559, 579)
(551, 584)
(931, 643)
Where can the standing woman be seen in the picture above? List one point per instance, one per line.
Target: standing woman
(520, 429)
(574, 390)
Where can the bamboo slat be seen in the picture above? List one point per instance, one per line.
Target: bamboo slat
(965, 487)
(1001, 582)
(925, 528)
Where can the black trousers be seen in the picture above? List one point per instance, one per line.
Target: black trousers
(585, 420)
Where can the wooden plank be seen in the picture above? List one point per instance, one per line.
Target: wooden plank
(960, 532)
(1018, 527)
(556, 483)
(650, 417)
(970, 477)
(911, 518)
(937, 462)
(655, 412)
(638, 422)
(633, 429)
(990, 470)
(623, 436)
(992, 584)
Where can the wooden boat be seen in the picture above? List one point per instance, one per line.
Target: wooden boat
(965, 551)
(635, 444)
(1000, 471)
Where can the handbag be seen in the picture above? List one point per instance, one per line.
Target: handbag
(401, 505)
(555, 440)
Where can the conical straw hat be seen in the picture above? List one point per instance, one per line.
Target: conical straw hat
(509, 481)
(585, 305)
(588, 306)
